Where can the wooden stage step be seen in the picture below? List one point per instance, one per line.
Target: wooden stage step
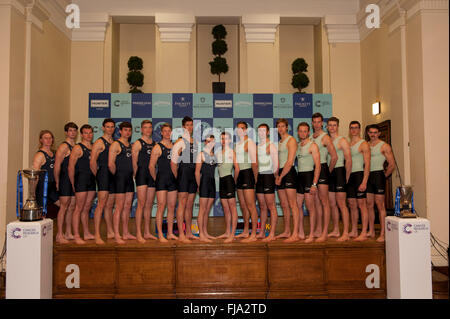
(217, 270)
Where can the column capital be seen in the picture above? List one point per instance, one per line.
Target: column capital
(260, 27)
(36, 14)
(92, 27)
(341, 29)
(174, 27)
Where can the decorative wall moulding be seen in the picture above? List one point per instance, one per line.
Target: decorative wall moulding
(342, 29)
(260, 28)
(92, 27)
(174, 27)
(36, 14)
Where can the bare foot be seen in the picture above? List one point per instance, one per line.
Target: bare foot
(225, 235)
(317, 234)
(371, 234)
(150, 236)
(140, 240)
(292, 239)
(249, 239)
(334, 234)
(88, 236)
(353, 234)
(110, 235)
(361, 237)
(69, 237)
(344, 237)
(210, 236)
(380, 239)
(99, 241)
(229, 239)
(191, 236)
(321, 239)
(172, 236)
(163, 240)
(61, 240)
(205, 239)
(128, 237)
(269, 238)
(79, 241)
(261, 235)
(243, 235)
(119, 240)
(184, 240)
(284, 235)
(301, 235)
(310, 239)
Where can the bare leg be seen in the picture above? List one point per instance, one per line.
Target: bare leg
(205, 219)
(102, 198)
(201, 219)
(262, 214)
(182, 199)
(354, 215)
(270, 202)
(292, 200)
(370, 200)
(148, 212)
(286, 214)
(245, 214)
(64, 204)
(341, 201)
(310, 205)
(119, 203)
(69, 213)
(227, 214)
(319, 214)
(171, 202)
(108, 214)
(334, 215)
(126, 215)
(161, 199)
(79, 205)
(141, 192)
(85, 215)
(188, 216)
(249, 196)
(362, 204)
(234, 218)
(379, 200)
(301, 228)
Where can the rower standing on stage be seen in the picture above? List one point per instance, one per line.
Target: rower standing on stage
(105, 180)
(248, 174)
(183, 168)
(357, 183)
(287, 181)
(45, 159)
(121, 166)
(83, 183)
(322, 202)
(204, 174)
(166, 184)
(376, 186)
(265, 187)
(63, 185)
(145, 184)
(338, 179)
(226, 159)
(309, 167)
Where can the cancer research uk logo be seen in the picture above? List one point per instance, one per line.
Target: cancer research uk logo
(407, 228)
(16, 233)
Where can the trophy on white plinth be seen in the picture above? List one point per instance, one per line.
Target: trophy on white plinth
(404, 202)
(31, 211)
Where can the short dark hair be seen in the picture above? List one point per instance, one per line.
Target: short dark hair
(227, 134)
(70, 125)
(375, 126)
(303, 124)
(333, 119)
(282, 121)
(354, 122)
(146, 122)
(317, 115)
(265, 125)
(85, 127)
(166, 125)
(108, 121)
(125, 124)
(243, 123)
(186, 119)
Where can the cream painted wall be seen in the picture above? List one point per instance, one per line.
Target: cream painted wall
(86, 76)
(115, 56)
(381, 80)
(137, 40)
(318, 64)
(204, 56)
(296, 41)
(345, 80)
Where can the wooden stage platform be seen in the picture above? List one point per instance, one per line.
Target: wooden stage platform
(217, 270)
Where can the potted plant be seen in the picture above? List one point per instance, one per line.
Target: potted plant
(299, 79)
(219, 64)
(135, 78)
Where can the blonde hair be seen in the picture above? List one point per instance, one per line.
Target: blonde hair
(41, 134)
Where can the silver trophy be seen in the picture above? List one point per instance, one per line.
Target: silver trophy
(31, 210)
(406, 202)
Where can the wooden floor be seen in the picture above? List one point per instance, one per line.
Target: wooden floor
(218, 270)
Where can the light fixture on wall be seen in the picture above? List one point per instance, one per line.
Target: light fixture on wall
(376, 108)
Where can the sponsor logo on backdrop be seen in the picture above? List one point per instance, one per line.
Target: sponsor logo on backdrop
(99, 103)
(223, 103)
(321, 103)
(302, 102)
(162, 103)
(243, 103)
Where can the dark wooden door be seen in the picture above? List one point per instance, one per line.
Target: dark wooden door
(385, 130)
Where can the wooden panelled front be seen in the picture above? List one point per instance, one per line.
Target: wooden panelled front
(217, 270)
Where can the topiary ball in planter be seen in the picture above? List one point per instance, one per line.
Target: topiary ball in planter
(300, 81)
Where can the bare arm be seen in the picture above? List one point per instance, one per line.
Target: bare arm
(176, 151)
(97, 148)
(74, 156)
(198, 167)
(134, 155)
(156, 153)
(292, 152)
(59, 158)
(274, 155)
(114, 149)
(38, 160)
(314, 150)
(386, 150)
(365, 150)
(345, 147)
(326, 140)
(236, 167)
(251, 148)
